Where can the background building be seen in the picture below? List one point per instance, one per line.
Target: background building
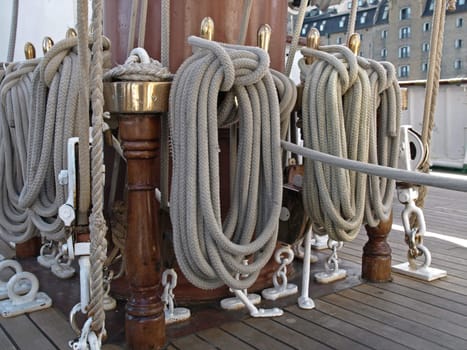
(398, 31)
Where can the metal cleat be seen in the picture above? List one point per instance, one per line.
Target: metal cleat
(48, 253)
(172, 314)
(63, 269)
(283, 256)
(236, 303)
(414, 239)
(20, 288)
(18, 304)
(332, 272)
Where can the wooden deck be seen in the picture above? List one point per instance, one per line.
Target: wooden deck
(403, 314)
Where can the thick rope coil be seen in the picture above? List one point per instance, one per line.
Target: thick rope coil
(16, 224)
(209, 252)
(336, 117)
(384, 139)
(98, 227)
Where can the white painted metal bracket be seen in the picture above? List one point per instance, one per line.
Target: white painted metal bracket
(332, 271)
(21, 287)
(304, 301)
(18, 304)
(283, 256)
(172, 314)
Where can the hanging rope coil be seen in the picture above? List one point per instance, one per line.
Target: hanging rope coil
(209, 252)
(384, 139)
(336, 121)
(16, 224)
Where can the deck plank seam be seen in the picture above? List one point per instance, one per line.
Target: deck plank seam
(43, 332)
(10, 338)
(421, 324)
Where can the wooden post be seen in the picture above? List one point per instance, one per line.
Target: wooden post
(136, 105)
(376, 259)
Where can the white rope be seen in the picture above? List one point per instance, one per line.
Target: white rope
(336, 118)
(296, 36)
(384, 139)
(209, 252)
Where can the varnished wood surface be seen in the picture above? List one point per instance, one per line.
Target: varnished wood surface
(402, 314)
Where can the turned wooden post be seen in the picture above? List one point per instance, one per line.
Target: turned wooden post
(376, 259)
(137, 107)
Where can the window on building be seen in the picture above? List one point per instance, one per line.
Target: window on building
(349, 5)
(384, 34)
(432, 5)
(425, 47)
(424, 67)
(426, 26)
(342, 22)
(305, 29)
(404, 51)
(458, 64)
(363, 18)
(404, 71)
(459, 22)
(458, 43)
(384, 52)
(385, 12)
(404, 33)
(339, 40)
(322, 25)
(461, 2)
(404, 13)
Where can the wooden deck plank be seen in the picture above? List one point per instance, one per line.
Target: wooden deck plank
(259, 340)
(223, 340)
(25, 333)
(293, 334)
(413, 303)
(431, 328)
(5, 342)
(424, 297)
(434, 288)
(191, 342)
(55, 325)
(343, 327)
(403, 339)
(418, 330)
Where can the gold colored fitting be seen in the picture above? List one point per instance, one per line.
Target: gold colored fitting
(29, 51)
(354, 43)
(71, 33)
(207, 28)
(47, 44)
(312, 41)
(404, 99)
(264, 37)
(136, 97)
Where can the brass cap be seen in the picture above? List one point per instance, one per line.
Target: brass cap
(312, 41)
(136, 97)
(354, 43)
(29, 51)
(207, 28)
(264, 37)
(47, 44)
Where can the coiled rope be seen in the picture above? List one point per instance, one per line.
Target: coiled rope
(336, 117)
(209, 252)
(16, 224)
(384, 139)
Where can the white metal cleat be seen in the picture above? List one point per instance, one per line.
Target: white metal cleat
(18, 304)
(332, 272)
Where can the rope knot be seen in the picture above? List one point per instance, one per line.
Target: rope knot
(241, 65)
